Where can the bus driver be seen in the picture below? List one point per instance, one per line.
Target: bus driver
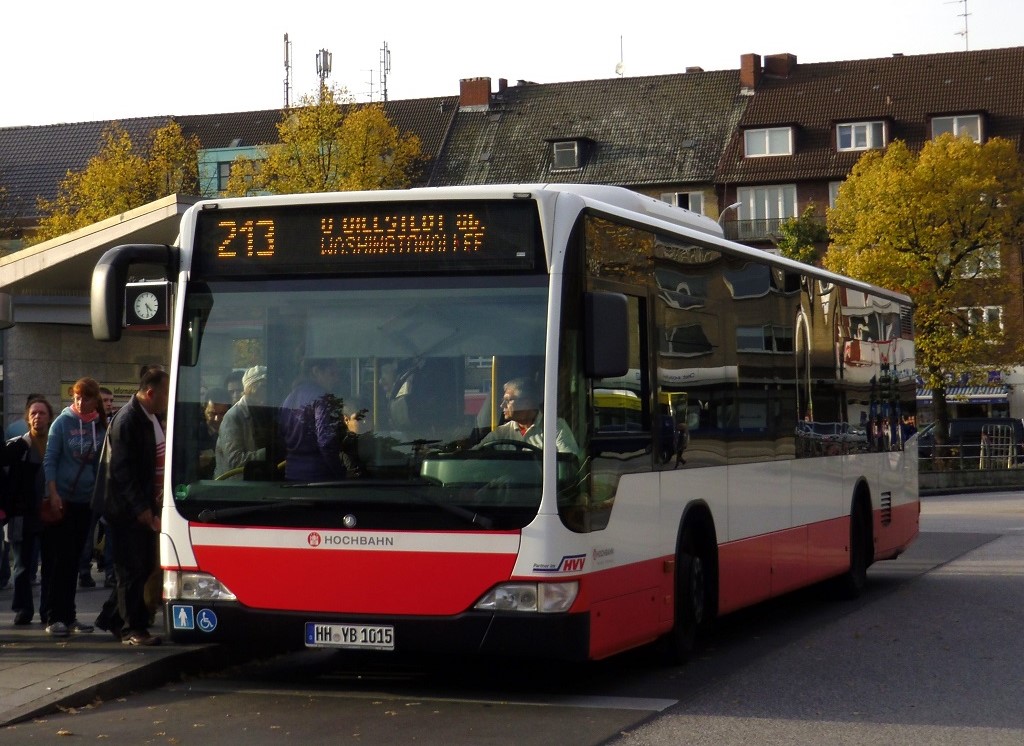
(524, 422)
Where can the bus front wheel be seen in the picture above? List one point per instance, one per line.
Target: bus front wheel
(692, 607)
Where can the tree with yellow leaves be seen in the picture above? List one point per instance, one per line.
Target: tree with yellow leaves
(329, 144)
(121, 177)
(944, 226)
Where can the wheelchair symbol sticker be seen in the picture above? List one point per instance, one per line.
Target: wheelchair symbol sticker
(206, 620)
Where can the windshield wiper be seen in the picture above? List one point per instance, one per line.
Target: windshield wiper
(209, 515)
(456, 510)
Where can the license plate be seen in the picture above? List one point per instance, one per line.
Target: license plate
(355, 636)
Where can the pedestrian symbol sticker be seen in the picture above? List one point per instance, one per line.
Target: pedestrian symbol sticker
(183, 617)
(206, 620)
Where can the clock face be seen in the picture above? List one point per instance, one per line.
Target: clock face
(146, 305)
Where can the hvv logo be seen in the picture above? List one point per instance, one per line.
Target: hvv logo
(568, 563)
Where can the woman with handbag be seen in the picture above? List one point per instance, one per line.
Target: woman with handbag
(72, 451)
(23, 459)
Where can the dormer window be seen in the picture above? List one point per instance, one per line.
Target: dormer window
(770, 141)
(963, 124)
(860, 136)
(565, 155)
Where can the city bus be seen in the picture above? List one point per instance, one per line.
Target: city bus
(683, 381)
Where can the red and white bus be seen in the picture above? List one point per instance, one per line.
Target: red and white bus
(739, 421)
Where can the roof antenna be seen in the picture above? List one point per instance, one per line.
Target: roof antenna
(287, 72)
(385, 68)
(619, 67)
(967, 46)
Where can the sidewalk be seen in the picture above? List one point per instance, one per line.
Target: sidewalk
(39, 673)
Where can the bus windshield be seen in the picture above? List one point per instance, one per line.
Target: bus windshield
(364, 402)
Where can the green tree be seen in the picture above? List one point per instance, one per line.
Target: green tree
(329, 144)
(937, 225)
(799, 237)
(121, 177)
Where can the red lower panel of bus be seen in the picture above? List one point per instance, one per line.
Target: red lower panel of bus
(363, 582)
(755, 569)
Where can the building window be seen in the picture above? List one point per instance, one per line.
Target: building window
(565, 155)
(860, 136)
(223, 174)
(772, 141)
(983, 263)
(764, 338)
(692, 201)
(762, 210)
(966, 124)
(833, 192)
(974, 318)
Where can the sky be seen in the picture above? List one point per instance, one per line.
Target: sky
(64, 61)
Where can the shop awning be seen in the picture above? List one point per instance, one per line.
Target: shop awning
(973, 394)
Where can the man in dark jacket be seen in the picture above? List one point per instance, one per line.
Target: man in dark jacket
(129, 498)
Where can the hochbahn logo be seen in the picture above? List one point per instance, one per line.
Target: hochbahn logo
(568, 563)
(314, 538)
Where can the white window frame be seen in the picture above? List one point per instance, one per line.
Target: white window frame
(763, 208)
(833, 192)
(987, 262)
(977, 315)
(692, 201)
(767, 142)
(861, 135)
(565, 155)
(959, 124)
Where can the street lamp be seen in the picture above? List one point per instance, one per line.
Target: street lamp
(721, 215)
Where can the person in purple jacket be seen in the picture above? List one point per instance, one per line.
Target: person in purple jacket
(312, 424)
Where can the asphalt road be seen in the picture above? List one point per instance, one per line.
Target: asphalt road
(930, 654)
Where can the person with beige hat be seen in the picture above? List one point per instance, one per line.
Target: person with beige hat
(239, 440)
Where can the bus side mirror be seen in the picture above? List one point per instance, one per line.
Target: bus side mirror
(106, 295)
(606, 325)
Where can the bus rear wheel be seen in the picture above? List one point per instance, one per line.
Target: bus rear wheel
(851, 584)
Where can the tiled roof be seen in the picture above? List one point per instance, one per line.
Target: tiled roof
(34, 160)
(642, 131)
(905, 91)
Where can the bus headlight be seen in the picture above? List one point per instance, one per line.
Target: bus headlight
(195, 586)
(546, 598)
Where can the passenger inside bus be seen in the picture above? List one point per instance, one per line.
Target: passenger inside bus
(309, 421)
(245, 432)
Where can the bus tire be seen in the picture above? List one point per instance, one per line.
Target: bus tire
(693, 598)
(851, 584)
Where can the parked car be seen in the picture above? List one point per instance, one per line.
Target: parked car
(1004, 437)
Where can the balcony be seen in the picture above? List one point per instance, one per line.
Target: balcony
(763, 229)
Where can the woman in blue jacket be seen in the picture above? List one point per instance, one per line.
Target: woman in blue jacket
(72, 452)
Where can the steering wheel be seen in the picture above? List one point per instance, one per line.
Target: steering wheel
(518, 445)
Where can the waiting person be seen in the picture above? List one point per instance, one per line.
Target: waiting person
(22, 458)
(312, 424)
(129, 496)
(72, 450)
(521, 408)
(242, 437)
(20, 427)
(85, 579)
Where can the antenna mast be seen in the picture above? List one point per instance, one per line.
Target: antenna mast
(967, 46)
(385, 68)
(287, 72)
(323, 68)
(620, 65)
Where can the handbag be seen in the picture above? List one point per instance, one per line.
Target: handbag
(49, 515)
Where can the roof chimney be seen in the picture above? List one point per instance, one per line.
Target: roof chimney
(779, 65)
(750, 70)
(474, 94)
